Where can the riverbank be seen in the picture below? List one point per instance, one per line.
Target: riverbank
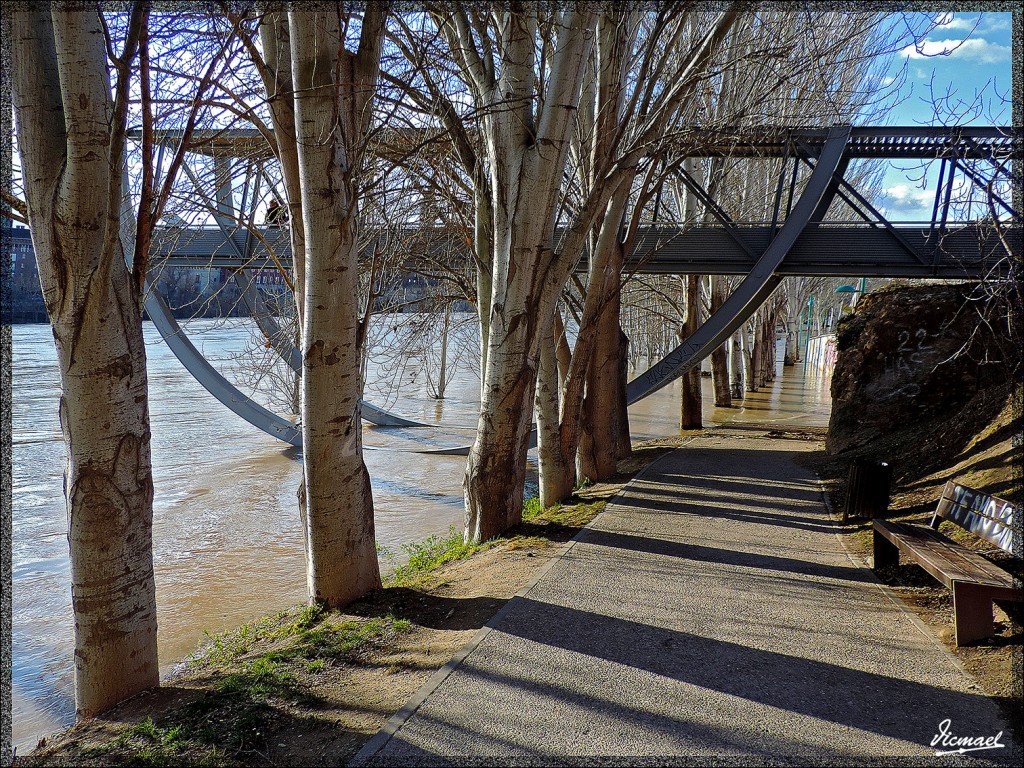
(309, 687)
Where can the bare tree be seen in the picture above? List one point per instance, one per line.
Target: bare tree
(334, 88)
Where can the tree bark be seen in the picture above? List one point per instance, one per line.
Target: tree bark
(749, 345)
(72, 162)
(527, 153)
(738, 384)
(555, 470)
(720, 357)
(604, 434)
(757, 353)
(333, 91)
(690, 416)
(277, 80)
(526, 123)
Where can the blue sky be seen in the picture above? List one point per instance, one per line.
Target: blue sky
(960, 74)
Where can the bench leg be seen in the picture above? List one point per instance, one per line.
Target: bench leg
(885, 552)
(972, 612)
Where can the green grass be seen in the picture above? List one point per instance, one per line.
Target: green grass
(570, 515)
(338, 641)
(311, 634)
(255, 667)
(427, 556)
(531, 508)
(227, 647)
(149, 745)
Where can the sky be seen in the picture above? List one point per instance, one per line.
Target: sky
(960, 74)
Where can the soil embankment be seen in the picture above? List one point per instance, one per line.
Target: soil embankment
(927, 379)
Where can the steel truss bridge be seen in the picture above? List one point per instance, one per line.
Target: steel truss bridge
(798, 239)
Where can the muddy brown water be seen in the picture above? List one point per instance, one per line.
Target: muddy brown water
(227, 543)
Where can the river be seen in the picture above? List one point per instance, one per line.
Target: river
(227, 542)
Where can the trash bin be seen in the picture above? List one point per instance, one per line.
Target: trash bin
(868, 488)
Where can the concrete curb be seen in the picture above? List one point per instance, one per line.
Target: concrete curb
(396, 721)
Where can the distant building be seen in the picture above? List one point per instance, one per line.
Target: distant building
(191, 292)
(26, 296)
(270, 280)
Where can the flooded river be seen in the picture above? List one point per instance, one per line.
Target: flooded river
(227, 542)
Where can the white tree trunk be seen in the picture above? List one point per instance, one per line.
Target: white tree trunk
(526, 154)
(72, 176)
(720, 357)
(737, 365)
(555, 471)
(331, 118)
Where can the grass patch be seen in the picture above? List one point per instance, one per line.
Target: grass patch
(230, 646)
(312, 634)
(532, 508)
(568, 515)
(149, 745)
(526, 542)
(430, 554)
(240, 697)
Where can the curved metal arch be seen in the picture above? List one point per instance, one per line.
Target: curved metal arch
(210, 377)
(748, 296)
(739, 307)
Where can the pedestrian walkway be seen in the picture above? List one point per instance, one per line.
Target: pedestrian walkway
(710, 614)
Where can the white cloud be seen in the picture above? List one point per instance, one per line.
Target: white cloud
(973, 49)
(950, 22)
(905, 198)
(994, 22)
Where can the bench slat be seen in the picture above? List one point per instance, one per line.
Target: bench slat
(972, 565)
(945, 560)
(921, 547)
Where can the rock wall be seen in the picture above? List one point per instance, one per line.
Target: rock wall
(914, 355)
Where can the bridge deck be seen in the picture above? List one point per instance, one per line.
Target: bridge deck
(962, 252)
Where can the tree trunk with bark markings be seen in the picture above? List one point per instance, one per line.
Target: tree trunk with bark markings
(280, 87)
(738, 379)
(526, 158)
(690, 416)
(604, 434)
(333, 91)
(555, 470)
(72, 161)
(719, 358)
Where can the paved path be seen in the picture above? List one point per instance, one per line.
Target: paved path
(709, 614)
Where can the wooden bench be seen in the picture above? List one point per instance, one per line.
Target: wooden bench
(974, 581)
